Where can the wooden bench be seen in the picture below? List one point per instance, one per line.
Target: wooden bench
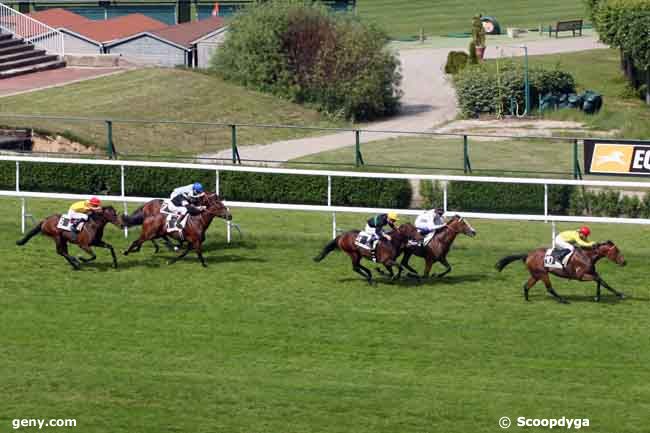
(565, 26)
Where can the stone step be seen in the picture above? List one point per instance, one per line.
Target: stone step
(33, 68)
(15, 49)
(11, 42)
(28, 62)
(20, 55)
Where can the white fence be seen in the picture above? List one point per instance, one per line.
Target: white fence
(327, 200)
(32, 31)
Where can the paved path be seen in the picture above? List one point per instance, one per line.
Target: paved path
(53, 78)
(429, 100)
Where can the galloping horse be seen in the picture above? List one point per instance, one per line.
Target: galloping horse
(438, 248)
(386, 252)
(155, 227)
(581, 267)
(90, 236)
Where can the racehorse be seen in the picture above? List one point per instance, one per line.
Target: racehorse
(581, 267)
(438, 248)
(386, 253)
(90, 236)
(148, 209)
(155, 226)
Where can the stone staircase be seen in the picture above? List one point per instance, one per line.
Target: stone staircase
(18, 57)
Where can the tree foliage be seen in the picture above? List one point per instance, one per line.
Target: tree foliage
(299, 50)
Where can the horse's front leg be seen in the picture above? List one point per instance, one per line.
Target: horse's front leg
(102, 244)
(600, 281)
(405, 265)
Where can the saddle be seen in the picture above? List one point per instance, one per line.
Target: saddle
(555, 258)
(364, 240)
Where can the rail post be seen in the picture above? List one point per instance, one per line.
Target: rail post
(577, 173)
(358, 157)
(216, 182)
(444, 196)
(22, 200)
(329, 203)
(545, 203)
(233, 140)
(467, 166)
(123, 190)
(110, 146)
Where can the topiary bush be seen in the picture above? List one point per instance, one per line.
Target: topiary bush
(456, 61)
(300, 51)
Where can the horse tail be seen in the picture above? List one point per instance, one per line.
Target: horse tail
(331, 246)
(509, 259)
(33, 232)
(135, 219)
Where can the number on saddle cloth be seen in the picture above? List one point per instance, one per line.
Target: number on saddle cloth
(65, 223)
(553, 258)
(364, 240)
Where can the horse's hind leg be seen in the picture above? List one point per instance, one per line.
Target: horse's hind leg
(528, 284)
(360, 269)
(90, 253)
(447, 266)
(547, 282)
(183, 254)
(62, 249)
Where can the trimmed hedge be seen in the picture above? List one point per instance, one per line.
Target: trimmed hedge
(240, 186)
(529, 199)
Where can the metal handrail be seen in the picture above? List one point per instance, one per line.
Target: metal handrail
(31, 31)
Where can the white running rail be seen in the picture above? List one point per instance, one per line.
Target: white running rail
(31, 31)
(327, 200)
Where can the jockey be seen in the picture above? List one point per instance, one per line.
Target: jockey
(566, 241)
(429, 222)
(184, 199)
(375, 225)
(80, 210)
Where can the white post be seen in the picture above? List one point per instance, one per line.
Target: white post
(444, 197)
(216, 181)
(553, 234)
(126, 210)
(545, 203)
(22, 206)
(228, 231)
(329, 203)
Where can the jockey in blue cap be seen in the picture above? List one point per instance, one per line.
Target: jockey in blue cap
(185, 199)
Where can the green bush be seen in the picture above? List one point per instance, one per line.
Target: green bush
(238, 186)
(456, 60)
(473, 58)
(481, 90)
(300, 51)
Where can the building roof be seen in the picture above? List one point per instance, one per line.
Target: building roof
(116, 28)
(186, 33)
(58, 18)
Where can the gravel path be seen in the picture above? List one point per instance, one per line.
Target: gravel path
(428, 101)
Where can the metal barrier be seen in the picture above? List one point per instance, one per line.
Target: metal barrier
(327, 201)
(31, 31)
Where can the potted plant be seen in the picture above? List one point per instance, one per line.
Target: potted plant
(478, 36)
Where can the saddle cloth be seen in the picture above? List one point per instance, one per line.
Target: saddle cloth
(428, 238)
(65, 224)
(550, 261)
(172, 222)
(363, 240)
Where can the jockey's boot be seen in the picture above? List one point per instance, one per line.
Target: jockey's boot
(74, 232)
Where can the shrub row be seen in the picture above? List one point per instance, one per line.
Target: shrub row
(240, 186)
(481, 90)
(529, 199)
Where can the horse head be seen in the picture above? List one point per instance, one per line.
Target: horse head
(214, 205)
(460, 225)
(609, 250)
(110, 214)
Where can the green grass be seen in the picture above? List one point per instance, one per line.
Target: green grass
(162, 94)
(445, 155)
(265, 340)
(405, 18)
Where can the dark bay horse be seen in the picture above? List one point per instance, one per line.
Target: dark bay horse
(581, 267)
(386, 253)
(155, 226)
(438, 248)
(150, 208)
(90, 236)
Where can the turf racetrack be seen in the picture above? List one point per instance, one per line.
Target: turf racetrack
(266, 340)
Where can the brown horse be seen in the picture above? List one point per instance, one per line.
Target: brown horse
(581, 267)
(155, 227)
(438, 248)
(90, 236)
(387, 251)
